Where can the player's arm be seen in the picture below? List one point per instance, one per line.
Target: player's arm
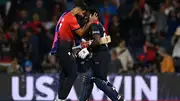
(96, 41)
(96, 35)
(81, 31)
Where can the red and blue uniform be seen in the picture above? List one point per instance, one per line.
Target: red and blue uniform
(67, 23)
(62, 46)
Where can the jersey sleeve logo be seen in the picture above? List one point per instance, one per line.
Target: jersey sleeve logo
(95, 32)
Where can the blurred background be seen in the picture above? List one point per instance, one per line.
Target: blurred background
(145, 34)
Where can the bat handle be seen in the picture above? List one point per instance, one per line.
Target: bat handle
(76, 47)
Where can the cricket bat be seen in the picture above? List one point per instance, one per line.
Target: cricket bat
(103, 40)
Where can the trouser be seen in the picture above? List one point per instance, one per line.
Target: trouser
(99, 64)
(177, 65)
(68, 72)
(98, 75)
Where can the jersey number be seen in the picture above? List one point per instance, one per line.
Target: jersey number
(61, 23)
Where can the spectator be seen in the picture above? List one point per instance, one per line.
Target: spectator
(142, 3)
(7, 45)
(33, 49)
(136, 38)
(51, 24)
(40, 10)
(167, 6)
(124, 56)
(58, 9)
(2, 6)
(148, 18)
(123, 12)
(114, 31)
(142, 64)
(164, 42)
(42, 42)
(2, 36)
(49, 65)
(172, 24)
(50, 35)
(15, 42)
(176, 50)
(50, 40)
(28, 67)
(136, 16)
(115, 64)
(25, 45)
(105, 11)
(157, 63)
(176, 3)
(167, 64)
(2, 42)
(14, 68)
(153, 35)
(161, 20)
(23, 18)
(1, 22)
(12, 7)
(35, 23)
(150, 47)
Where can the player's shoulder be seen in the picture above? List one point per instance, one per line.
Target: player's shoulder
(69, 17)
(94, 25)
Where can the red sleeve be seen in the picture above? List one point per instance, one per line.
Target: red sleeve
(74, 24)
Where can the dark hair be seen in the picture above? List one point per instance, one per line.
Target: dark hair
(82, 5)
(92, 11)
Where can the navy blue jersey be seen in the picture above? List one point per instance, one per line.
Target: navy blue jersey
(95, 29)
(98, 29)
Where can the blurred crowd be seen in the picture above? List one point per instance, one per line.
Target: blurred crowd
(145, 34)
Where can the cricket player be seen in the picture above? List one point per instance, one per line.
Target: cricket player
(99, 65)
(66, 30)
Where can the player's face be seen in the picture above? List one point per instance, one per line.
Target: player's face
(86, 17)
(82, 13)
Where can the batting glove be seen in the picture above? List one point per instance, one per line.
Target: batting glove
(83, 53)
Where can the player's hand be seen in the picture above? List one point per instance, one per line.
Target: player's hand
(83, 53)
(85, 44)
(93, 18)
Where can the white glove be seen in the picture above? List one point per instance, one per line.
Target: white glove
(83, 53)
